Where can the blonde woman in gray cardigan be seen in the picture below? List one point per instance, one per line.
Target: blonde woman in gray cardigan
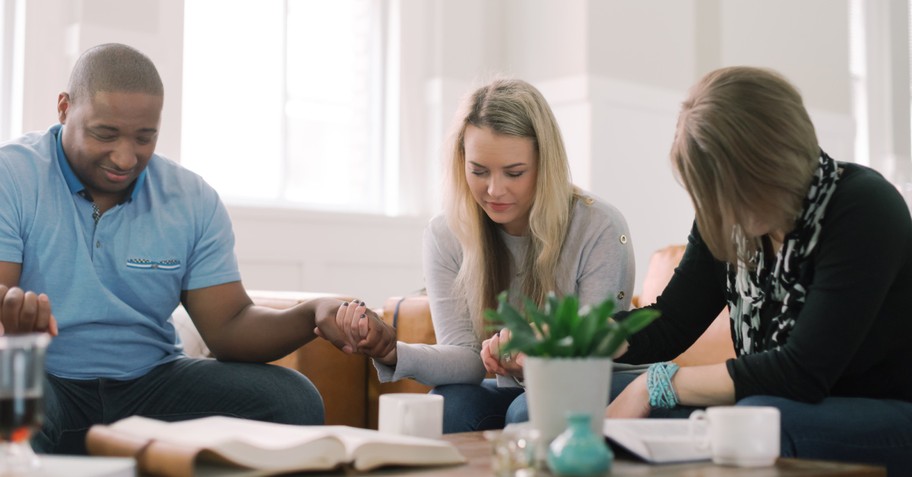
(512, 221)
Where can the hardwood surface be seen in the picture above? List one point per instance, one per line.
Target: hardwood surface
(477, 452)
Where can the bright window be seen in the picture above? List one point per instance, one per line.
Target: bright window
(12, 22)
(282, 101)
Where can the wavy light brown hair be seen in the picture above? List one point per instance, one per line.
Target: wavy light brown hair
(744, 148)
(515, 108)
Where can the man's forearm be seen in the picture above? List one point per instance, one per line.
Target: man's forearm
(263, 334)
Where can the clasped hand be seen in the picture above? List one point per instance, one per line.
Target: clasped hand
(25, 312)
(354, 328)
(510, 364)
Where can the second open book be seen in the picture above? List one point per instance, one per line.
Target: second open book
(658, 440)
(187, 447)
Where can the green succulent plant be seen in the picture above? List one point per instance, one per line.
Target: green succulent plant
(560, 329)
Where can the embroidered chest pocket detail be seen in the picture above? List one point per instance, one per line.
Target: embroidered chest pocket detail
(145, 263)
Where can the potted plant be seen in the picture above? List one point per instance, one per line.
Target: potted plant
(568, 355)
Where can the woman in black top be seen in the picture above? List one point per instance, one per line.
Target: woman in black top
(813, 257)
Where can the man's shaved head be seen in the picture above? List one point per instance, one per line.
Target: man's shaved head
(113, 67)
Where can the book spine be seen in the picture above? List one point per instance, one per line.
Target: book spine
(152, 457)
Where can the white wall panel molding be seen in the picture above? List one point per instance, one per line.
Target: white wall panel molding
(367, 256)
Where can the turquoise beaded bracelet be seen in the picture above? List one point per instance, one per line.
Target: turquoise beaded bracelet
(658, 383)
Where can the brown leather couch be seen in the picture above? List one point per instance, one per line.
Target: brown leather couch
(349, 384)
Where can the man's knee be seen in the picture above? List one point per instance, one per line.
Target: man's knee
(261, 392)
(292, 398)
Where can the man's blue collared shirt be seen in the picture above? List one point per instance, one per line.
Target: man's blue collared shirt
(112, 284)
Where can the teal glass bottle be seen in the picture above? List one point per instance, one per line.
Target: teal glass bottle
(579, 452)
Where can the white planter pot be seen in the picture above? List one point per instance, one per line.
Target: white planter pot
(558, 386)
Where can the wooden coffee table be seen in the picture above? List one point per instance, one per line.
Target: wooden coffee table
(477, 451)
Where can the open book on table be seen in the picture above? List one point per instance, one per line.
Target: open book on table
(245, 447)
(658, 440)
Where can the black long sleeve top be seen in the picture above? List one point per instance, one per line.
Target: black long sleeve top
(851, 338)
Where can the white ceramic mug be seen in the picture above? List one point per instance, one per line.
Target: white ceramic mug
(743, 436)
(411, 414)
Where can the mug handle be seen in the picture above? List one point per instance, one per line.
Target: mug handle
(696, 419)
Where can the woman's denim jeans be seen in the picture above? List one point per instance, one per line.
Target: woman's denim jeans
(472, 407)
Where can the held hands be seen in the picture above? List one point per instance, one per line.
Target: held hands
(25, 312)
(354, 328)
(494, 362)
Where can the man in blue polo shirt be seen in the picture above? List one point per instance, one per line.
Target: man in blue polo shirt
(115, 236)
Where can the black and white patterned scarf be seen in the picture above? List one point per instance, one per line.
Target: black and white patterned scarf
(751, 289)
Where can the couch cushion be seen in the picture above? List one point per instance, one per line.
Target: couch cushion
(194, 346)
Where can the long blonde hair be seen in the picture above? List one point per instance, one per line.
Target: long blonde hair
(515, 108)
(745, 149)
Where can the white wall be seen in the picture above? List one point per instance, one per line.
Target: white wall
(367, 257)
(614, 71)
(57, 31)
